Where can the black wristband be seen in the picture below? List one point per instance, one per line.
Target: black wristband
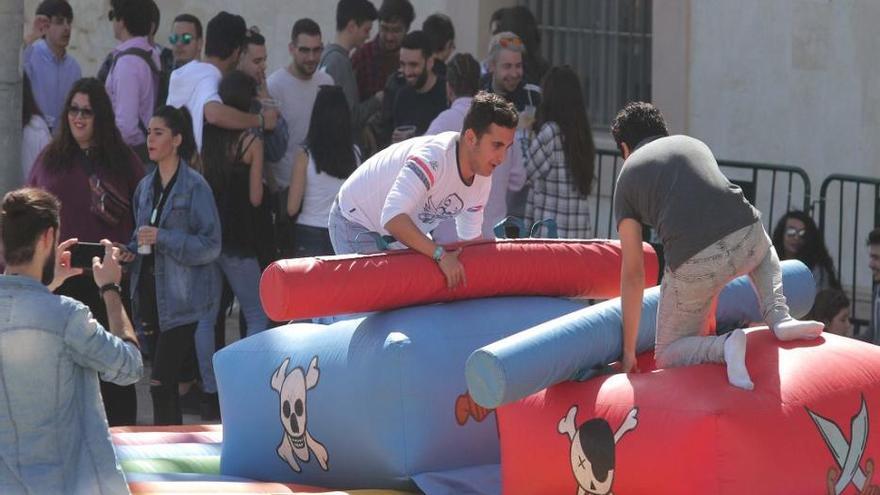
(110, 287)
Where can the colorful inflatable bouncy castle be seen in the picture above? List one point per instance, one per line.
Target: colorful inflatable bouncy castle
(324, 286)
(811, 426)
(373, 402)
(518, 366)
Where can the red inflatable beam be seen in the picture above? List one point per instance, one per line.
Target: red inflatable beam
(324, 286)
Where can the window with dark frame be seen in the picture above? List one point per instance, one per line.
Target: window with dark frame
(607, 42)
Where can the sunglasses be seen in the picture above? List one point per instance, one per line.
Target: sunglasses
(111, 15)
(510, 42)
(791, 232)
(85, 113)
(183, 39)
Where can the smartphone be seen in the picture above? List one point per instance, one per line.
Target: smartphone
(81, 254)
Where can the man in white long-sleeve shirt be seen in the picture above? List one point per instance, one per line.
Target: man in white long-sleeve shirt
(406, 190)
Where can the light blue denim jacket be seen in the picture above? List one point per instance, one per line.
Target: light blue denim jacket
(53, 430)
(188, 243)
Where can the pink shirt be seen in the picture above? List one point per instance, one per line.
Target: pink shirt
(132, 89)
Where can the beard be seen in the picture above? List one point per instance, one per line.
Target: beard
(421, 80)
(306, 70)
(49, 269)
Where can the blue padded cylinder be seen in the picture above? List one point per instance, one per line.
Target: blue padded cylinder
(382, 406)
(570, 346)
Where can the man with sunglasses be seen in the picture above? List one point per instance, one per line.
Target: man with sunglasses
(195, 85)
(295, 87)
(52, 71)
(505, 76)
(186, 39)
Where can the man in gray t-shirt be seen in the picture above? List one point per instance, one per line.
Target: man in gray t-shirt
(710, 234)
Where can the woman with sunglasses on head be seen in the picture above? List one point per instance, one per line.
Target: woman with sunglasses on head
(176, 242)
(94, 173)
(796, 237)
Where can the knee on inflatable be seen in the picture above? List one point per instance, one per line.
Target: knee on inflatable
(368, 402)
(809, 427)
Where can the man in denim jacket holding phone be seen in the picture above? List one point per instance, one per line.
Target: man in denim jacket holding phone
(53, 429)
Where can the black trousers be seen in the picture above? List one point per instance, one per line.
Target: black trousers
(172, 348)
(120, 402)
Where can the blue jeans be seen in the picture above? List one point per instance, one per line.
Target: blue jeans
(348, 237)
(311, 241)
(243, 275)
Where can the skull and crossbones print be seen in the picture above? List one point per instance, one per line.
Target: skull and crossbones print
(592, 450)
(296, 441)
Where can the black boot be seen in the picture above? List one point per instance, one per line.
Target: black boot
(166, 405)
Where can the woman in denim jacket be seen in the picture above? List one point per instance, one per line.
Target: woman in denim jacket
(177, 239)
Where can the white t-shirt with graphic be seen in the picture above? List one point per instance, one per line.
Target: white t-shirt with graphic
(418, 177)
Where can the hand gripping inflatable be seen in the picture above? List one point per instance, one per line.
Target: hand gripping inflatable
(518, 366)
(810, 426)
(325, 286)
(368, 402)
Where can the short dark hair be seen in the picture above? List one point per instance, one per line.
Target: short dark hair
(136, 15)
(192, 20)
(254, 37)
(359, 11)
(828, 303)
(55, 8)
(463, 74)
(439, 28)
(874, 237)
(636, 122)
(225, 33)
(155, 17)
(397, 10)
(304, 26)
(27, 213)
(487, 109)
(418, 40)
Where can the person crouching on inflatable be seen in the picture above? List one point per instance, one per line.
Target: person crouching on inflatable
(406, 190)
(710, 235)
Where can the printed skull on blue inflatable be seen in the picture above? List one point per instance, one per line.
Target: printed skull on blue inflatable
(292, 388)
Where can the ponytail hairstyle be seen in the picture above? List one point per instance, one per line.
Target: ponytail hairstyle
(179, 121)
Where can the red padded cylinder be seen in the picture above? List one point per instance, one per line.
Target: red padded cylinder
(323, 286)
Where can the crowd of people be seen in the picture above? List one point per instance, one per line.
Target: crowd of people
(194, 170)
(201, 166)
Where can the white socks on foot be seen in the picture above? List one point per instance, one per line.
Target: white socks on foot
(735, 357)
(792, 329)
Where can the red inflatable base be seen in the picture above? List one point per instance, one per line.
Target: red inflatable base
(811, 426)
(325, 286)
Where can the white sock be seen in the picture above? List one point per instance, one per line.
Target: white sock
(735, 357)
(792, 329)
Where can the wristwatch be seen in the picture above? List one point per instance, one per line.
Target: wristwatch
(110, 287)
(438, 253)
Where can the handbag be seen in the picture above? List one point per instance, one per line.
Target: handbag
(105, 200)
(107, 203)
